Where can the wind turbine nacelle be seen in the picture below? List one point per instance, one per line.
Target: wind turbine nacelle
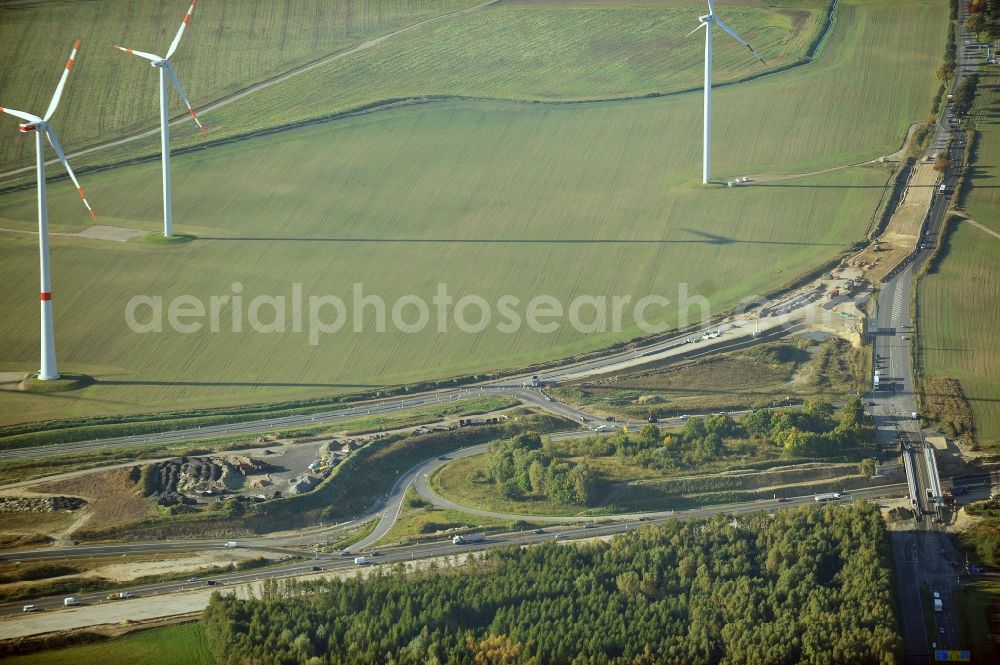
(27, 127)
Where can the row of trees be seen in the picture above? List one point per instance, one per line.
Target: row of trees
(806, 585)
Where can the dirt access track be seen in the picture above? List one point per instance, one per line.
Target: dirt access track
(902, 233)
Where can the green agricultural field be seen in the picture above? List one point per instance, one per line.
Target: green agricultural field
(489, 197)
(959, 302)
(229, 46)
(183, 644)
(980, 617)
(535, 51)
(983, 200)
(958, 306)
(857, 104)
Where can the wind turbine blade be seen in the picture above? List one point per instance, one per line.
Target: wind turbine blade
(62, 82)
(711, 7)
(700, 26)
(54, 140)
(177, 38)
(180, 91)
(142, 54)
(732, 33)
(20, 114)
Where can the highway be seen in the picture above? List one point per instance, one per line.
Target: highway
(591, 528)
(923, 553)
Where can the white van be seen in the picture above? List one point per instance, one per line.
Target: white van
(69, 602)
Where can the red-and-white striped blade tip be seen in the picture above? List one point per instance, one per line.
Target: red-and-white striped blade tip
(45, 295)
(72, 55)
(83, 196)
(194, 116)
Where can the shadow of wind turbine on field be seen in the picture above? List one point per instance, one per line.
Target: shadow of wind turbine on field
(705, 239)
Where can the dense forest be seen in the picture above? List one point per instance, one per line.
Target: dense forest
(811, 585)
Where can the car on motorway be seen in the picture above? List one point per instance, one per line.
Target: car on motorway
(781, 499)
(210, 582)
(601, 428)
(643, 518)
(317, 569)
(538, 531)
(685, 417)
(559, 536)
(70, 602)
(30, 608)
(589, 525)
(192, 579)
(345, 553)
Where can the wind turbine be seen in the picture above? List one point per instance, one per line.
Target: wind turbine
(707, 22)
(167, 69)
(41, 126)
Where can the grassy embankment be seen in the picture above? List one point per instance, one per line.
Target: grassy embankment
(764, 376)
(183, 644)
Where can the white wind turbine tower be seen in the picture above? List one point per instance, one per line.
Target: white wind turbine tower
(167, 69)
(41, 126)
(707, 22)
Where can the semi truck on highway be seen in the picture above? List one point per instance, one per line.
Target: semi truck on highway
(468, 538)
(821, 498)
(119, 595)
